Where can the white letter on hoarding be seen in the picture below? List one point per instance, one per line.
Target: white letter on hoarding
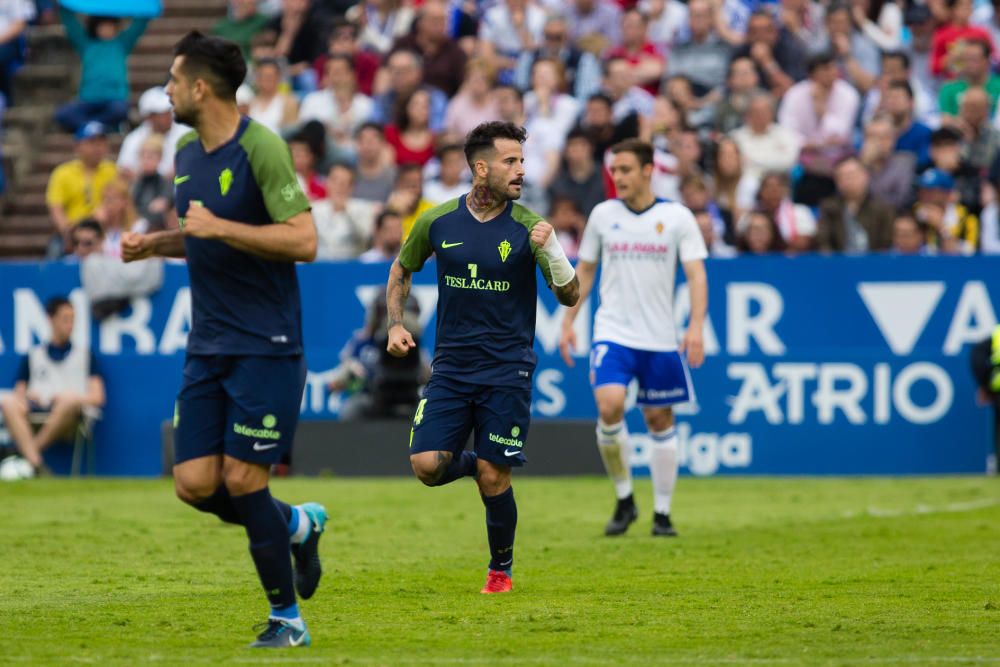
(883, 380)
(136, 326)
(548, 386)
(755, 394)
(828, 398)
(175, 333)
(794, 377)
(974, 303)
(943, 390)
(31, 324)
(741, 326)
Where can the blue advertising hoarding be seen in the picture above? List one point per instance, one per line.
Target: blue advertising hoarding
(815, 365)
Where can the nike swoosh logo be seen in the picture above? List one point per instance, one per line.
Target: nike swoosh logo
(293, 641)
(257, 447)
(507, 452)
(445, 244)
(507, 563)
(181, 179)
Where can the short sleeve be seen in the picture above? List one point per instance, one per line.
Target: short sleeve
(23, 371)
(529, 219)
(271, 162)
(417, 246)
(691, 243)
(590, 244)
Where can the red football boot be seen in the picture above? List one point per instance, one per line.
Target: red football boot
(497, 582)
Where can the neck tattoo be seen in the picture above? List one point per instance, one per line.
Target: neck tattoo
(482, 199)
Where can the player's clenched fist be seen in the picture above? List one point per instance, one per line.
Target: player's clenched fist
(400, 341)
(541, 232)
(135, 247)
(200, 222)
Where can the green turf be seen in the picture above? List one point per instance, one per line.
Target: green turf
(766, 571)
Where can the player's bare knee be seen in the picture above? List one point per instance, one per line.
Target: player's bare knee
(429, 466)
(242, 478)
(192, 491)
(611, 413)
(12, 405)
(659, 419)
(492, 479)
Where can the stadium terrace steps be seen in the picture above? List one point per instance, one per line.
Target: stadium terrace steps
(32, 142)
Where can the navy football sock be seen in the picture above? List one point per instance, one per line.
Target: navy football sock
(501, 521)
(267, 529)
(463, 465)
(284, 508)
(221, 505)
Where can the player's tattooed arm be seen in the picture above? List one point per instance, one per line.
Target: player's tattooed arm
(568, 294)
(397, 291)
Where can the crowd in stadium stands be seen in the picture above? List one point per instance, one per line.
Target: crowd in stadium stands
(787, 126)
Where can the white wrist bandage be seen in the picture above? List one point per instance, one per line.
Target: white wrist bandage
(560, 268)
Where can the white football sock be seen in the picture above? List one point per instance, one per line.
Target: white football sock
(663, 468)
(304, 527)
(612, 442)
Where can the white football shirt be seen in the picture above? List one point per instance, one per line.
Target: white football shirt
(639, 254)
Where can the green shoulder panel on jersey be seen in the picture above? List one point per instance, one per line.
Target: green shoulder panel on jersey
(186, 138)
(271, 162)
(417, 247)
(529, 219)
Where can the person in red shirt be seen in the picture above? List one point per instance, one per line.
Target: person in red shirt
(647, 64)
(307, 147)
(956, 30)
(410, 134)
(344, 42)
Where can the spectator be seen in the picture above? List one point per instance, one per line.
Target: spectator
(338, 105)
(75, 187)
(891, 172)
(308, 149)
(344, 42)
(881, 21)
(697, 196)
(795, 222)
(508, 29)
(567, 221)
(957, 29)
(596, 21)
(803, 19)
(912, 136)
(981, 141)
(117, 215)
(670, 169)
(703, 58)
(405, 71)
(271, 107)
(951, 227)
(853, 221)
(473, 104)
(152, 194)
(974, 71)
(986, 16)
(626, 98)
(387, 239)
(735, 191)
(946, 156)
(103, 50)
(920, 24)
(297, 34)
(582, 70)
(14, 18)
(86, 238)
(896, 70)
(646, 65)
(157, 118)
(599, 124)
(382, 23)
(444, 60)
(760, 236)
(407, 196)
(716, 246)
(668, 20)
(579, 178)
(56, 379)
(410, 136)
(989, 240)
(664, 125)
(343, 222)
(857, 55)
(453, 177)
(547, 101)
(742, 86)
(698, 112)
(242, 24)
(765, 145)
(909, 237)
(822, 109)
(376, 172)
(779, 57)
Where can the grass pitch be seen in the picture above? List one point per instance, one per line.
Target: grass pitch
(766, 571)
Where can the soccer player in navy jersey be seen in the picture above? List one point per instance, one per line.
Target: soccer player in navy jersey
(244, 223)
(487, 247)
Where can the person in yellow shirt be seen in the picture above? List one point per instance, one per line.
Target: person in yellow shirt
(75, 187)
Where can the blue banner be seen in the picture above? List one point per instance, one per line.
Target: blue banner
(124, 8)
(816, 365)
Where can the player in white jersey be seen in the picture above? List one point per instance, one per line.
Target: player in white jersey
(640, 240)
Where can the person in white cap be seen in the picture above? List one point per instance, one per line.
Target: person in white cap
(157, 118)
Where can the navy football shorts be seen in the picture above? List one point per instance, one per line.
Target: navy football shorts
(450, 410)
(244, 407)
(663, 376)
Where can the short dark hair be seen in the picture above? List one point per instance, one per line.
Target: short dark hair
(406, 168)
(642, 150)
(334, 57)
(218, 61)
(444, 149)
(53, 305)
(370, 125)
(817, 60)
(91, 224)
(897, 55)
(849, 158)
(904, 86)
(579, 133)
(603, 98)
(945, 135)
(484, 136)
(94, 22)
(386, 213)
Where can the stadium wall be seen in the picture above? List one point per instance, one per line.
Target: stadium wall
(816, 365)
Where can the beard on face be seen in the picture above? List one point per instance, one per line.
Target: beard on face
(501, 187)
(187, 117)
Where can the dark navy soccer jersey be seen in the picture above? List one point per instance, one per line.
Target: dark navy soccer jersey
(486, 290)
(241, 304)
